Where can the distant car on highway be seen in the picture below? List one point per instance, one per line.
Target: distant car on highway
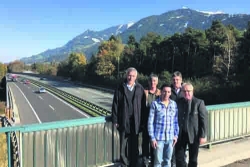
(41, 90)
(27, 82)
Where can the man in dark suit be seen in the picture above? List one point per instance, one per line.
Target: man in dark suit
(176, 86)
(176, 95)
(128, 109)
(192, 120)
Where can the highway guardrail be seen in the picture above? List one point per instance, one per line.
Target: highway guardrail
(86, 106)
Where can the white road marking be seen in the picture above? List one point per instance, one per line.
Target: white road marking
(40, 97)
(79, 111)
(74, 108)
(29, 104)
(51, 107)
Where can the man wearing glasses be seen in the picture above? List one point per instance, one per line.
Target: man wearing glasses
(192, 118)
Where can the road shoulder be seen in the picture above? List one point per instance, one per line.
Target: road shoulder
(15, 110)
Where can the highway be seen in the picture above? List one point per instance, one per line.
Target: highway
(34, 107)
(98, 97)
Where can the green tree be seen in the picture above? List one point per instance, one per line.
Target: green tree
(63, 69)
(195, 57)
(217, 35)
(244, 51)
(149, 48)
(130, 55)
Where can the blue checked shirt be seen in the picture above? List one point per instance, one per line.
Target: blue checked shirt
(163, 121)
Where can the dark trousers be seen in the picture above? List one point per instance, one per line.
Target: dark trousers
(147, 149)
(173, 160)
(180, 150)
(129, 149)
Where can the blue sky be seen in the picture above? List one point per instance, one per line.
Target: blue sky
(29, 27)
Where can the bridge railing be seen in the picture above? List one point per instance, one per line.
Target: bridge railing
(95, 142)
(228, 121)
(80, 143)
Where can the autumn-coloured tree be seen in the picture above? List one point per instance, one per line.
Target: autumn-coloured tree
(104, 66)
(2, 70)
(112, 51)
(76, 65)
(16, 66)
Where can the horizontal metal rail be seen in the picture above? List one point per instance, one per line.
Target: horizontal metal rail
(78, 102)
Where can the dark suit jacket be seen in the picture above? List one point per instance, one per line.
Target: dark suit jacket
(197, 119)
(120, 107)
(175, 96)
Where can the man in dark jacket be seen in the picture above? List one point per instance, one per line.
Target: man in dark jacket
(129, 102)
(176, 86)
(192, 117)
(176, 95)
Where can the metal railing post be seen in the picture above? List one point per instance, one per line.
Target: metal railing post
(9, 149)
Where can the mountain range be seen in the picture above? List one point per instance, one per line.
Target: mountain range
(165, 24)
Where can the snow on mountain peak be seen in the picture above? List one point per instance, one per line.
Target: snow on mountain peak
(96, 40)
(211, 13)
(184, 7)
(130, 24)
(120, 27)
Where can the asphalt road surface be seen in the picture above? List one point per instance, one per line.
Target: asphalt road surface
(34, 107)
(98, 97)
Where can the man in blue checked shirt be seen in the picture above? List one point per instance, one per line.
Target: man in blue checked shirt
(163, 127)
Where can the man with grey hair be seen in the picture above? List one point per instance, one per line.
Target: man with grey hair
(176, 95)
(192, 118)
(151, 92)
(128, 108)
(176, 86)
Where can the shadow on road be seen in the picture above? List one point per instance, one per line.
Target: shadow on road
(240, 163)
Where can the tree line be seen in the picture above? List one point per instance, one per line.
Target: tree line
(215, 60)
(3, 70)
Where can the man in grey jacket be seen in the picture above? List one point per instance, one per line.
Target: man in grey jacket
(192, 119)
